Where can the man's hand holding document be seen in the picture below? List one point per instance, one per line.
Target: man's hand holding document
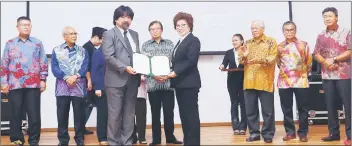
(151, 66)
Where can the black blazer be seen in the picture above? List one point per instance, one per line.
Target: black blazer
(234, 77)
(185, 63)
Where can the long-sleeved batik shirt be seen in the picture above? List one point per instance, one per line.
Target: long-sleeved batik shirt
(65, 62)
(295, 62)
(23, 64)
(260, 74)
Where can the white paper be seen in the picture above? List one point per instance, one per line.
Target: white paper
(160, 65)
(141, 63)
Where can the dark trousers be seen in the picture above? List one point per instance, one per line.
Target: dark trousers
(237, 99)
(286, 99)
(100, 103)
(90, 102)
(165, 99)
(252, 112)
(102, 116)
(25, 100)
(141, 119)
(338, 89)
(63, 109)
(187, 99)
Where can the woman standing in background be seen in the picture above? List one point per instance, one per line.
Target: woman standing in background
(235, 85)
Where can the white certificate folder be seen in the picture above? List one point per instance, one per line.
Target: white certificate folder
(151, 65)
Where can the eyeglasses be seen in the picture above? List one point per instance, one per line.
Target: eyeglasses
(181, 26)
(289, 30)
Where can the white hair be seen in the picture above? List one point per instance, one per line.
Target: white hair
(259, 23)
(65, 30)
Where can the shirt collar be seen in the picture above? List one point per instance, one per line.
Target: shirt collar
(234, 49)
(263, 38)
(18, 39)
(294, 40)
(122, 30)
(67, 47)
(154, 41)
(335, 29)
(182, 38)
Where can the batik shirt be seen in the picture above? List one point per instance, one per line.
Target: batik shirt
(24, 63)
(332, 43)
(294, 62)
(260, 75)
(67, 62)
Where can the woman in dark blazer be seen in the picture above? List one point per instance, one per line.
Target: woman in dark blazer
(235, 85)
(185, 77)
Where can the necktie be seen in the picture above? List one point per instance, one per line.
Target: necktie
(128, 45)
(178, 43)
(127, 41)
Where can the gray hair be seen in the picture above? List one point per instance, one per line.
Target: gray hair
(65, 30)
(288, 23)
(259, 23)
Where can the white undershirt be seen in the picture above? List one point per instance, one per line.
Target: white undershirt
(181, 39)
(133, 45)
(236, 57)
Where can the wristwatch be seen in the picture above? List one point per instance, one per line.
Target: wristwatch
(335, 59)
(43, 80)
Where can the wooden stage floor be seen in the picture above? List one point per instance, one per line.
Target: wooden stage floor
(220, 135)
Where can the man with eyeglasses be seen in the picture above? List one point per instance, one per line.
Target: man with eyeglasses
(24, 69)
(295, 62)
(69, 65)
(159, 92)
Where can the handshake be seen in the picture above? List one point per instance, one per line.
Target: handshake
(160, 79)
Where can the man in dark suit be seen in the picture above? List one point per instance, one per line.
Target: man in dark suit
(185, 77)
(92, 45)
(121, 80)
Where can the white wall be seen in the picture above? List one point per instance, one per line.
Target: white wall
(214, 23)
(214, 101)
(309, 20)
(10, 11)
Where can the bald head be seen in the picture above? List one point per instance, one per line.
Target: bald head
(69, 34)
(257, 28)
